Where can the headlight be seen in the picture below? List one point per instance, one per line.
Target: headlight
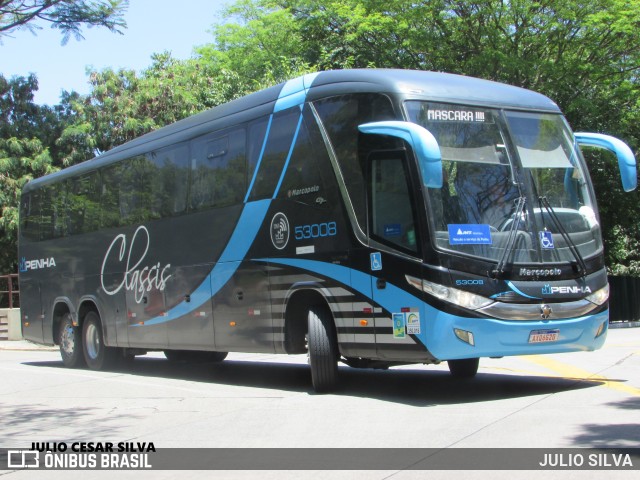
(461, 298)
(600, 296)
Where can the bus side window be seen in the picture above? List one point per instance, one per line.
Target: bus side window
(84, 204)
(30, 216)
(136, 185)
(256, 133)
(341, 116)
(218, 171)
(281, 133)
(392, 213)
(110, 196)
(304, 180)
(171, 180)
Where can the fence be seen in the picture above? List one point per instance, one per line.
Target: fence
(9, 291)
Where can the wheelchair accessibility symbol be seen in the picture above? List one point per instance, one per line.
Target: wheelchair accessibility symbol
(546, 239)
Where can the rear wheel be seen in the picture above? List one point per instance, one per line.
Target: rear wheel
(323, 351)
(70, 341)
(97, 355)
(465, 368)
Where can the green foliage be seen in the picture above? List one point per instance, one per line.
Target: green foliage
(68, 16)
(27, 139)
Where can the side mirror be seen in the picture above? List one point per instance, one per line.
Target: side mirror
(421, 140)
(626, 159)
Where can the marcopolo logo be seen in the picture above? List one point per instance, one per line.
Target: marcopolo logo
(39, 264)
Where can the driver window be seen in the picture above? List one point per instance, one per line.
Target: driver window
(391, 206)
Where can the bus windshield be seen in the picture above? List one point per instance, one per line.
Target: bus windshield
(512, 180)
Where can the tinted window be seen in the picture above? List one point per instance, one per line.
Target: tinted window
(309, 170)
(218, 176)
(83, 204)
(30, 216)
(281, 135)
(341, 116)
(171, 180)
(110, 196)
(137, 184)
(392, 214)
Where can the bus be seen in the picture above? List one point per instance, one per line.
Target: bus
(371, 217)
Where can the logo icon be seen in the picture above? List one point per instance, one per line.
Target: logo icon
(546, 290)
(23, 459)
(546, 240)
(280, 231)
(376, 261)
(545, 311)
(23, 265)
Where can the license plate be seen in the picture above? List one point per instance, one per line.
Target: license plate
(544, 336)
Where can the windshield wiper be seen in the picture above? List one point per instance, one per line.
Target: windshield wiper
(580, 265)
(500, 269)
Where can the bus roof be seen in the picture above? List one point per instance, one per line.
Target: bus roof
(414, 84)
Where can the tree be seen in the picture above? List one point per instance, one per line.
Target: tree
(26, 131)
(123, 104)
(69, 16)
(584, 54)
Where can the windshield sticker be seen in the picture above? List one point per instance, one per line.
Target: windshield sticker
(393, 230)
(413, 323)
(546, 240)
(398, 325)
(465, 234)
(441, 115)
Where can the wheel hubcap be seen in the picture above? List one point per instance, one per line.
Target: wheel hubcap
(68, 340)
(93, 341)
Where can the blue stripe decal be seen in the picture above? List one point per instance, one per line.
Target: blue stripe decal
(264, 146)
(249, 224)
(392, 298)
(293, 93)
(520, 292)
(286, 163)
(493, 337)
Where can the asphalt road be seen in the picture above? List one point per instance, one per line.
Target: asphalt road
(589, 399)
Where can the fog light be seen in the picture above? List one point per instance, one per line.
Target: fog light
(601, 329)
(466, 337)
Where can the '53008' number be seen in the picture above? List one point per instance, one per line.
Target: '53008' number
(317, 230)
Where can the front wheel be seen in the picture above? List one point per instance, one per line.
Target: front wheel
(70, 341)
(323, 351)
(97, 355)
(465, 368)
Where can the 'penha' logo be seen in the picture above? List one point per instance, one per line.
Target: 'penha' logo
(26, 265)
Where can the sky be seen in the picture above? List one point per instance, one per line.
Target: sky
(153, 26)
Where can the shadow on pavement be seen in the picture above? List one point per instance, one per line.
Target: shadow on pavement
(418, 387)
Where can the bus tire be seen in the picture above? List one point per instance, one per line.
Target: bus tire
(464, 368)
(323, 351)
(70, 342)
(175, 355)
(97, 355)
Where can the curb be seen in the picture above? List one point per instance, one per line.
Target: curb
(25, 346)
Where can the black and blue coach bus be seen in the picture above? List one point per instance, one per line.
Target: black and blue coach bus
(373, 217)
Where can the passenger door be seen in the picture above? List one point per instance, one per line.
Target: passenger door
(394, 237)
